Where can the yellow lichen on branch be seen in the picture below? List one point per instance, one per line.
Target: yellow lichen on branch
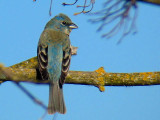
(26, 72)
(101, 80)
(30, 64)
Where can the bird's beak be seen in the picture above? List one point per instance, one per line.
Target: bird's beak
(73, 26)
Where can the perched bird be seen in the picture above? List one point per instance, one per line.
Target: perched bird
(54, 54)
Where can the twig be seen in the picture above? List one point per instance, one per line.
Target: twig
(92, 2)
(70, 3)
(30, 95)
(50, 9)
(44, 115)
(116, 11)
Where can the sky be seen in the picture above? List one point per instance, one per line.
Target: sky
(22, 22)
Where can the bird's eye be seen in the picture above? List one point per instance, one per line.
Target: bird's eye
(64, 23)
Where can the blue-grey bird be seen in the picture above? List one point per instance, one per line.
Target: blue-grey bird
(54, 54)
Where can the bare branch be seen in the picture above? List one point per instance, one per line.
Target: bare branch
(155, 2)
(70, 3)
(91, 3)
(118, 13)
(35, 100)
(50, 9)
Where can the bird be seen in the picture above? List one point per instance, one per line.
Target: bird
(54, 56)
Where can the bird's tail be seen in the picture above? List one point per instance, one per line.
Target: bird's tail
(56, 100)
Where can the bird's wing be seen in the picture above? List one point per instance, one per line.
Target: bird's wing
(42, 55)
(65, 64)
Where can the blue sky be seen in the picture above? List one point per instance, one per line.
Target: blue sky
(21, 25)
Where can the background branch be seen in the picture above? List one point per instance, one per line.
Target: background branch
(156, 2)
(117, 12)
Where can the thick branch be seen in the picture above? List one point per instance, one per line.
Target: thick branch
(92, 78)
(26, 72)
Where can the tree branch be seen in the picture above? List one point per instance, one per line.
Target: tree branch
(26, 72)
(117, 12)
(155, 2)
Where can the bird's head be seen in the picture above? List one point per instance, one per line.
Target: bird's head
(61, 23)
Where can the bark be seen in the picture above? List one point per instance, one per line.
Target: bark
(26, 72)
